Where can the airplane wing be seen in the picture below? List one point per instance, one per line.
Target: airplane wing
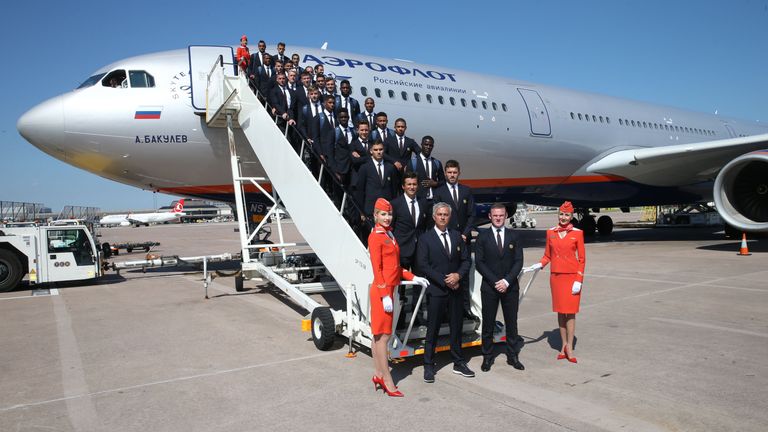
(134, 220)
(677, 164)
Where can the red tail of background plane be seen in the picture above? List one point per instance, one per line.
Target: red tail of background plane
(179, 206)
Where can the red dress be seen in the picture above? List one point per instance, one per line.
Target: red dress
(387, 273)
(568, 261)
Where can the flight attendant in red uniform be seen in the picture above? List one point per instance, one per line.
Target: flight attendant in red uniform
(387, 274)
(243, 54)
(565, 250)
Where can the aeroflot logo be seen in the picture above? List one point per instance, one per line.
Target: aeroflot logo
(378, 67)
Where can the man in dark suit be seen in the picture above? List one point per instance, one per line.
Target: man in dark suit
(410, 216)
(429, 169)
(444, 259)
(342, 153)
(309, 111)
(258, 57)
(381, 131)
(280, 56)
(346, 102)
(499, 259)
(265, 77)
(399, 148)
(323, 131)
(282, 100)
(460, 198)
(302, 92)
(376, 179)
(360, 151)
(369, 114)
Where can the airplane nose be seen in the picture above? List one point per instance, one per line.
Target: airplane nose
(43, 124)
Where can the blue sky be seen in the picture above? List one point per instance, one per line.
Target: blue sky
(700, 55)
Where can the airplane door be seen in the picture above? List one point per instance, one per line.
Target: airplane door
(537, 112)
(201, 59)
(731, 132)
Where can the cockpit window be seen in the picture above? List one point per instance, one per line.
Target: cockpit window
(141, 79)
(115, 79)
(91, 81)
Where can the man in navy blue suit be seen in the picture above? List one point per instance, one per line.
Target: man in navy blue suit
(381, 131)
(345, 102)
(376, 179)
(399, 148)
(368, 114)
(429, 169)
(323, 131)
(499, 259)
(410, 219)
(282, 100)
(443, 257)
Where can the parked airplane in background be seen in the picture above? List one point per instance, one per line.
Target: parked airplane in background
(145, 219)
(517, 141)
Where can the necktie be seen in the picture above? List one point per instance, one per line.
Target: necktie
(498, 240)
(413, 210)
(344, 104)
(268, 73)
(285, 96)
(370, 119)
(445, 244)
(455, 195)
(317, 109)
(428, 166)
(330, 118)
(381, 174)
(346, 135)
(365, 145)
(400, 143)
(383, 134)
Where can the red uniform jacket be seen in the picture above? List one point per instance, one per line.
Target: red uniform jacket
(243, 55)
(385, 260)
(566, 254)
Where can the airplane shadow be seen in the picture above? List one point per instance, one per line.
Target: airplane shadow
(753, 246)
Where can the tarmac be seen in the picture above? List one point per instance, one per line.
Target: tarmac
(672, 336)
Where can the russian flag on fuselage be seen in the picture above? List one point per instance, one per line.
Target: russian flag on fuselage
(148, 113)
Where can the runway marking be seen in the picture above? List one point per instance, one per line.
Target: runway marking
(737, 288)
(68, 399)
(81, 411)
(709, 326)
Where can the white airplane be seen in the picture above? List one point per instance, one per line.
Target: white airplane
(145, 219)
(516, 141)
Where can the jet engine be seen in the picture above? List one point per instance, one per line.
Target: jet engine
(741, 192)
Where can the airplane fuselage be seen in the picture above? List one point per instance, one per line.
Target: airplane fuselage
(515, 140)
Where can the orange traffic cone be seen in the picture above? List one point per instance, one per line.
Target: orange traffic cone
(743, 250)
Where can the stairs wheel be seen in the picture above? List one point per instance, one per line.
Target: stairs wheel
(323, 328)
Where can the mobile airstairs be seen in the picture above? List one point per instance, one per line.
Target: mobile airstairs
(320, 220)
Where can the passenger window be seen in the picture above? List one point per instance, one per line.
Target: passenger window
(586, 117)
(364, 91)
(608, 120)
(645, 125)
(495, 107)
(391, 94)
(463, 102)
(633, 123)
(621, 122)
(429, 98)
(504, 107)
(594, 118)
(580, 116)
(573, 116)
(404, 95)
(115, 79)
(441, 100)
(417, 97)
(141, 79)
(485, 105)
(453, 100)
(601, 119)
(474, 103)
(378, 92)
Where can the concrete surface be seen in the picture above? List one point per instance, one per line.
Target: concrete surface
(672, 336)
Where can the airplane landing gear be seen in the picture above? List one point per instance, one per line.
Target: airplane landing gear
(587, 223)
(605, 225)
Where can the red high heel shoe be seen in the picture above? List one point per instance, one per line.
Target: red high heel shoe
(561, 356)
(572, 360)
(377, 382)
(396, 393)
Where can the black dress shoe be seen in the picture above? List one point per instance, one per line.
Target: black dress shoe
(486, 366)
(513, 361)
(429, 374)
